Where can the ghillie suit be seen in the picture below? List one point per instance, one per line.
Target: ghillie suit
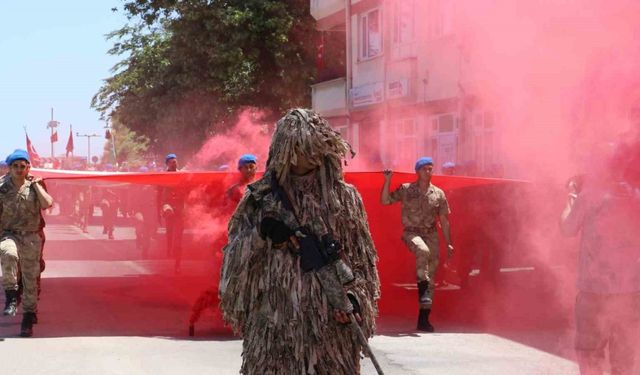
(282, 312)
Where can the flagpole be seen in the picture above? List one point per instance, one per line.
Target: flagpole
(52, 124)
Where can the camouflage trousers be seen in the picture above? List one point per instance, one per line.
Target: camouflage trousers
(26, 249)
(425, 247)
(607, 320)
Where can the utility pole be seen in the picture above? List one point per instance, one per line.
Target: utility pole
(53, 125)
(349, 57)
(89, 136)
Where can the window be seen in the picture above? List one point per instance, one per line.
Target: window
(444, 138)
(370, 34)
(404, 34)
(439, 18)
(486, 143)
(443, 124)
(406, 140)
(403, 22)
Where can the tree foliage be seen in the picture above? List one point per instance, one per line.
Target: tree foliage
(189, 65)
(129, 147)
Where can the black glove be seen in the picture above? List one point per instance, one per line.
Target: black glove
(275, 229)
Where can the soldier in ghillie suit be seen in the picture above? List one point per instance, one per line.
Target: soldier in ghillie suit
(286, 315)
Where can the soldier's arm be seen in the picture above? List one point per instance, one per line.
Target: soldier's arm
(443, 214)
(572, 215)
(45, 199)
(386, 197)
(446, 231)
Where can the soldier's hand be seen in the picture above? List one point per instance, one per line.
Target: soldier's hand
(358, 317)
(449, 251)
(342, 317)
(387, 173)
(294, 241)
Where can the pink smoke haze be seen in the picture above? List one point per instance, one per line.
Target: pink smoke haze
(562, 78)
(561, 74)
(209, 212)
(248, 136)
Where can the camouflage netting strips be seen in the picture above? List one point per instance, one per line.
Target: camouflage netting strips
(282, 313)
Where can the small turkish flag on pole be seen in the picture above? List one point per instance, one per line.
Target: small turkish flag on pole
(33, 155)
(70, 142)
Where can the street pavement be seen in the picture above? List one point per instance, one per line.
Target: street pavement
(418, 354)
(106, 310)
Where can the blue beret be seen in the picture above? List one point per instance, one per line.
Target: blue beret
(169, 157)
(425, 160)
(246, 159)
(18, 155)
(449, 164)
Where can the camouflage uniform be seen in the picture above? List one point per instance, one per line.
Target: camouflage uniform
(283, 313)
(21, 222)
(109, 206)
(419, 212)
(174, 198)
(608, 299)
(233, 195)
(144, 217)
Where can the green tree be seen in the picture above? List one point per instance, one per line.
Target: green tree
(129, 146)
(191, 65)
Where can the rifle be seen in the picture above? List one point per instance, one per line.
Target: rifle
(323, 258)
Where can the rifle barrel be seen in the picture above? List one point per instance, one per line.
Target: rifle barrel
(365, 344)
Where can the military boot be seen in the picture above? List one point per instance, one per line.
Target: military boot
(11, 302)
(423, 321)
(26, 328)
(423, 294)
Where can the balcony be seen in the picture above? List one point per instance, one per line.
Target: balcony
(329, 97)
(325, 10)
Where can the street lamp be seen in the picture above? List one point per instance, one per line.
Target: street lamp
(89, 136)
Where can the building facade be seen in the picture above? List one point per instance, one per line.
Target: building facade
(402, 93)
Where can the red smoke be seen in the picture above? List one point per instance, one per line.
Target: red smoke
(248, 136)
